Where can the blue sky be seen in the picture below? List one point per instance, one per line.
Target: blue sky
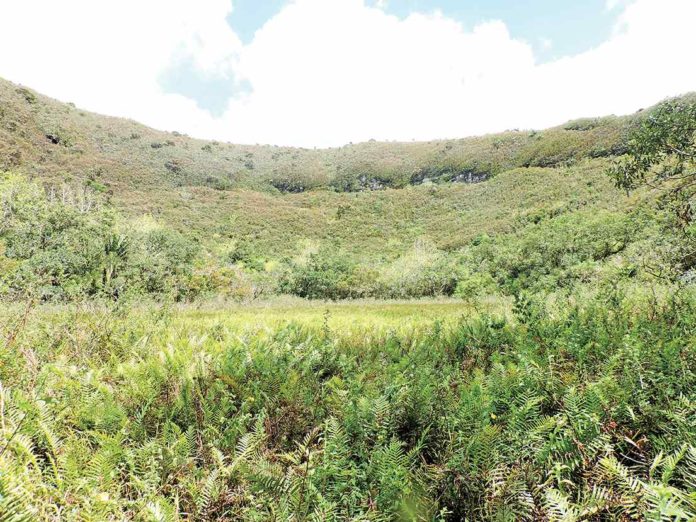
(554, 28)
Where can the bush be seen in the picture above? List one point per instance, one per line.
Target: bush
(69, 247)
(322, 276)
(423, 272)
(551, 253)
(243, 253)
(57, 246)
(161, 262)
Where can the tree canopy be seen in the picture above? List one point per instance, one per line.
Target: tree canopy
(662, 150)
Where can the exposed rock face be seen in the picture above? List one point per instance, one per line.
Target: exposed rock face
(370, 183)
(466, 176)
(470, 177)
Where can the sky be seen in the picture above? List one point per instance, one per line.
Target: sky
(320, 73)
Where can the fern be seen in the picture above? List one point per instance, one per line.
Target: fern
(13, 507)
(559, 508)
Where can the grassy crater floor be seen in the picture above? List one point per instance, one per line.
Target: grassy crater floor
(294, 410)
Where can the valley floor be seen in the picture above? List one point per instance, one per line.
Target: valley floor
(363, 410)
(336, 315)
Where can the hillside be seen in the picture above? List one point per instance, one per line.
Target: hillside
(55, 136)
(276, 196)
(371, 211)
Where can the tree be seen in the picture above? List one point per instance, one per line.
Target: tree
(662, 151)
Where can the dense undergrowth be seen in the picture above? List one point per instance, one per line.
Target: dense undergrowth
(69, 244)
(566, 411)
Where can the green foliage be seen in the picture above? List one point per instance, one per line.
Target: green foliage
(571, 398)
(425, 271)
(54, 241)
(64, 245)
(322, 275)
(662, 152)
(161, 261)
(662, 148)
(390, 194)
(553, 253)
(27, 94)
(242, 252)
(571, 413)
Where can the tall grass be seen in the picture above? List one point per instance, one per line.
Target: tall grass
(563, 412)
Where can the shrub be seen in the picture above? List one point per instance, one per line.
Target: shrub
(549, 253)
(68, 247)
(422, 272)
(28, 95)
(323, 275)
(57, 245)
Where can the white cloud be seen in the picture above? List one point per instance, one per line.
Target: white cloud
(107, 56)
(610, 5)
(325, 72)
